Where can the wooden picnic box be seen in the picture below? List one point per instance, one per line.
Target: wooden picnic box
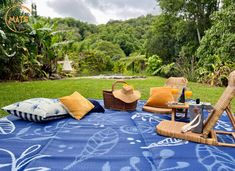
(110, 102)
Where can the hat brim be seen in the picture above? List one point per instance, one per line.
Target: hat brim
(127, 98)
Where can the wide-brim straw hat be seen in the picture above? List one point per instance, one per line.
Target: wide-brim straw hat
(127, 94)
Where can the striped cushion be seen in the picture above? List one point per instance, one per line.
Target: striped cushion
(37, 109)
(34, 118)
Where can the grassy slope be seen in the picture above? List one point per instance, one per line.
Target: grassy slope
(92, 88)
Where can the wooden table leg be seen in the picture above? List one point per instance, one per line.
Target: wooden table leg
(230, 116)
(173, 114)
(186, 113)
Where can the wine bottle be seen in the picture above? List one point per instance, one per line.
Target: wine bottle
(182, 96)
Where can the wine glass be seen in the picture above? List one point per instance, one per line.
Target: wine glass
(188, 94)
(175, 93)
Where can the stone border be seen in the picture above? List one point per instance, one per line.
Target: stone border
(116, 77)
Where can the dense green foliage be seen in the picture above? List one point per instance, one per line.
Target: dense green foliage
(220, 38)
(122, 42)
(193, 38)
(217, 51)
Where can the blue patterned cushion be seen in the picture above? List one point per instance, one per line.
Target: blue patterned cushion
(37, 109)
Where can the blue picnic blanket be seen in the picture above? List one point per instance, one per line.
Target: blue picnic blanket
(110, 141)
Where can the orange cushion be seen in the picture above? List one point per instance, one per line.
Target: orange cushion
(77, 105)
(155, 90)
(160, 97)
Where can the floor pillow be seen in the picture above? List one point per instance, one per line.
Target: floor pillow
(160, 98)
(77, 105)
(98, 108)
(37, 109)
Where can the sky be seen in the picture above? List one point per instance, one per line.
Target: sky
(96, 11)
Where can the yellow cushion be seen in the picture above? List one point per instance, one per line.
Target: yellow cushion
(77, 105)
(160, 97)
(155, 90)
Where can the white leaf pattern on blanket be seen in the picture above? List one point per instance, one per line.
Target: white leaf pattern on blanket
(221, 160)
(23, 131)
(39, 134)
(6, 126)
(99, 144)
(38, 169)
(225, 138)
(133, 162)
(106, 167)
(224, 125)
(102, 120)
(167, 154)
(166, 142)
(147, 117)
(25, 158)
(142, 127)
(148, 156)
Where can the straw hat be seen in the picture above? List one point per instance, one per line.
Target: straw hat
(127, 94)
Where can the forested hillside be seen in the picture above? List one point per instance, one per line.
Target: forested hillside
(191, 38)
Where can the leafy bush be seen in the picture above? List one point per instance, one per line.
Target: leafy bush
(154, 62)
(167, 70)
(156, 67)
(134, 63)
(216, 51)
(220, 39)
(186, 63)
(93, 62)
(112, 50)
(119, 67)
(215, 71)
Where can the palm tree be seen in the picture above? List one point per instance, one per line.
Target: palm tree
(133, 60)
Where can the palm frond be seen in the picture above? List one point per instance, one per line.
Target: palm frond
(132, 59)
(60, 31)
(45, 29)
(61, 43)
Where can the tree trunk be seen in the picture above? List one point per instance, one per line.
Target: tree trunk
(133, 67)
(198, 35)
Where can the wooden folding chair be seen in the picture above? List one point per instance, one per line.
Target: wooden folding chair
(208, 136)
(176, 81)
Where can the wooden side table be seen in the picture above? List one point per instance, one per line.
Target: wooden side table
(174, 107)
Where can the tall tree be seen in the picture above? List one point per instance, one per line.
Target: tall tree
(198, 11)
(220, 38)
(161, 39)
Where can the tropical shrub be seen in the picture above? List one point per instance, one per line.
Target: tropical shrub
(154, 62)
(119, 67)
(220, 38)
(160, 38)
(90, 62)
(112, 50)
(11, 54)
(216, 51)
(134, 63)
(166, 70)
(215, 71)
(186, 63)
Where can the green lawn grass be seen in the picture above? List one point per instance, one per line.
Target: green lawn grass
(11, 92)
